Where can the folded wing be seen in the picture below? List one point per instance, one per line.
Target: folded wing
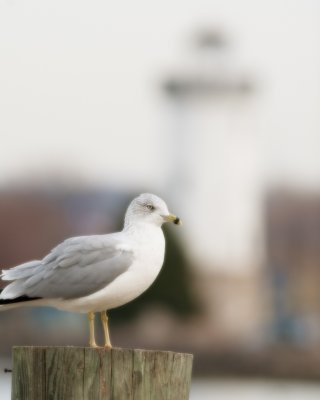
(76, 268)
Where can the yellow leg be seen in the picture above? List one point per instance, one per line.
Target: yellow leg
(104, 320)
(92, 340)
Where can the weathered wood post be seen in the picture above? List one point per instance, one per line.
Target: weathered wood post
(81, 373)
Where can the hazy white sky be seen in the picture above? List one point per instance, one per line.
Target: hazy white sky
(79, 79)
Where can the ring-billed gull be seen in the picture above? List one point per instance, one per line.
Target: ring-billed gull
(90, 274)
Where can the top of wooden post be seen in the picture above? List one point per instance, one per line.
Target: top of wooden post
(82, 373)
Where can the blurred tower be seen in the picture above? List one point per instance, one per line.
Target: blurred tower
(214, 168)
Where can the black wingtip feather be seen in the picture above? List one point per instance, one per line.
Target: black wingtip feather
(19, 299)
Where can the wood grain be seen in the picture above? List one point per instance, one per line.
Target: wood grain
(81, 373)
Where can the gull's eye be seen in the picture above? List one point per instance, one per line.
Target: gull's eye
(150, 207)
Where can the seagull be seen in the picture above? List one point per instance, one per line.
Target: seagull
(96, 273)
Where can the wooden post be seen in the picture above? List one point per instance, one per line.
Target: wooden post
(81, 373)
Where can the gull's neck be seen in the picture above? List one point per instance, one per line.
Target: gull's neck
(140, 228)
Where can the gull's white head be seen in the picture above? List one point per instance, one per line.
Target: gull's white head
(149, 208)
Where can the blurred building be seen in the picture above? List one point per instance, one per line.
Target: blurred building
(293, 265)
(227, 156)
(212, 119)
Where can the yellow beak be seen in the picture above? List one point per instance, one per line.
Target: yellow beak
(172, 218)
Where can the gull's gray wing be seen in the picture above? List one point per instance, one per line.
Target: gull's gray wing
(77, 267)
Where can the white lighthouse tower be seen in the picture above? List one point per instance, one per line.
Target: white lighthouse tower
(214, 169)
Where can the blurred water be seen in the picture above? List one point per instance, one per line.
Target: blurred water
(5, 379)
(222, 389)
(229, 389)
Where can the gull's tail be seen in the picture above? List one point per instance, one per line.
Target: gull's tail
(6, 304)
(13, 295)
